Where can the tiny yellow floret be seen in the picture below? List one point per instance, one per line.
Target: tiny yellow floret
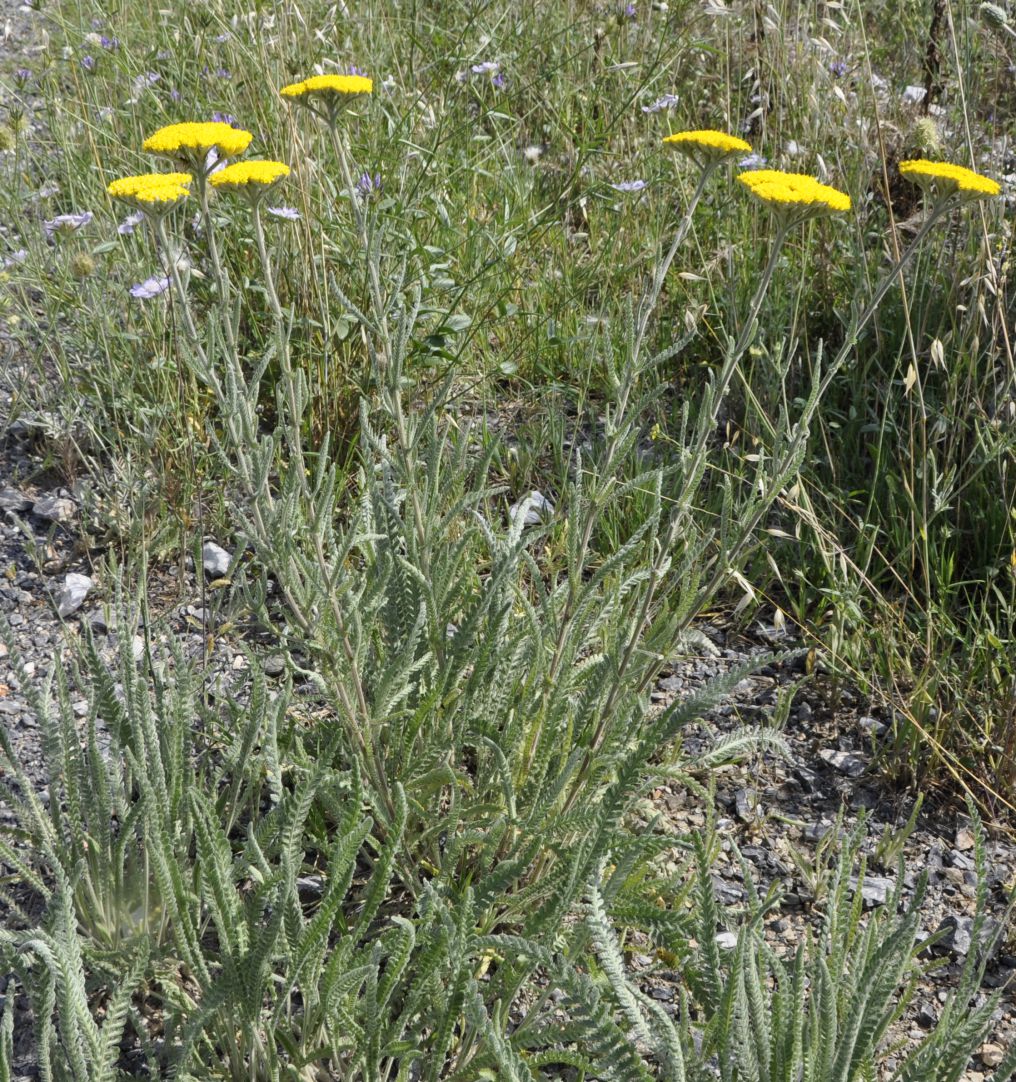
(329, 84)
(794, 191)
(186, 140)
(707, 147)
(242, 174)
(949, 179)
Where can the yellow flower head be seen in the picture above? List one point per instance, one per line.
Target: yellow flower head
(155, 193)
(794, 193)
(945, 179)
(190, 142)
(258, 174)
(330, 86)
(128, 187)
(707, 147)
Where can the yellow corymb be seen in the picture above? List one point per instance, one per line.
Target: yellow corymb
(128, 187)
(253, 173)
(708, 140)
(949, 178)
(329, 84)
(794, 191)
(184, 140)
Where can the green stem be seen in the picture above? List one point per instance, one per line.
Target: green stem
(659, 276)
(162, 236)
(221, 277)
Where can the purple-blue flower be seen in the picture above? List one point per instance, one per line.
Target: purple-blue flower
(150, 287)
(67, 223)
(668, 101)
(224, 118)
(629, 186)
(369, 185)
(145, 80)
(838, 68)
(88, 63)
(288, 214)
(487, 67)
(753, 161)
(21, 76)
(499, 81)
(126, 227)
(629, 11)
(109, 43)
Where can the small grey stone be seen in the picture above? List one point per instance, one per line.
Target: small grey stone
(12, 500)
(10, 707)
(875, 890)
(871, 726)
(726, 941)
(846, 762)
(958, 939)
(804, 712)
(961, 861)
(927, 1016)
(539, 508)
(72, 596)
(215, 559)
(815, 832)
(54, 509)
(964, 839)
(991, 1055)
(274, 665)
(746, 805)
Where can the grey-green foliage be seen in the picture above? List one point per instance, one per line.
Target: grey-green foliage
(820, 1014)
(161, 878)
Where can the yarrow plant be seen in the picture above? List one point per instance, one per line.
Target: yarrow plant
(386, 893)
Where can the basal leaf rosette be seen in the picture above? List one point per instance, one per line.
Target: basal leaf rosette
(154, 193)
(794, 197)
(190, 142)
(943, 180)
(707, 147)
(253, 180)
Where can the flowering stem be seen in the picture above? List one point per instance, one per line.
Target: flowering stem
(259, 236)
(850, 340)
(358, 713)
(795, 445)
(285, 360)
(221, 278)
(653, 296)
(178, 288)
(390, 387)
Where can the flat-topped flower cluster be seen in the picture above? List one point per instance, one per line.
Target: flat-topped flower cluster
(802, 196)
